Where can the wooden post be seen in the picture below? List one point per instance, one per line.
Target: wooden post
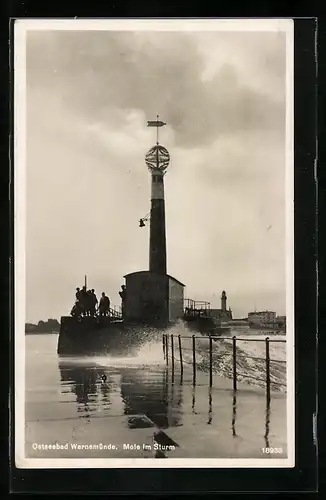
(194, 360)
(193, 402)
(210, 361)
(180, 354)
(234, 412)
(267, 422)
(234, 356)
(210, 406)
(268, 377)
(163, 340)
(167, 348)
(172, 351)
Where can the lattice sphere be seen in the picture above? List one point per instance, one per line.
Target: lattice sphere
(157, 157)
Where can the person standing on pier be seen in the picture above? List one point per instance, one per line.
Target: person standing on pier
(93, 302)
(104, 306)
(83, 300)
(89, 303)
(77, 309)
(122, 294)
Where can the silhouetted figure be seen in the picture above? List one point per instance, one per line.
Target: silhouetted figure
(104, 305)
(86, 303)
(89, 302)
(83, 300)
(77, 308)
(93, 302)
(122, 294)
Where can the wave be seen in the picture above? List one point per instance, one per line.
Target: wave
(251, 361)
(251, 356)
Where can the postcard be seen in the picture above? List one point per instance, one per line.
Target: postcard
(154, 289)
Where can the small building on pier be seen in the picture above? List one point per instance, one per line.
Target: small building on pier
(153, 298)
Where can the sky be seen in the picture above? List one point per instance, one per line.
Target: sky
(89, 95)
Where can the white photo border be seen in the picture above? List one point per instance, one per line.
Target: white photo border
(21, 27)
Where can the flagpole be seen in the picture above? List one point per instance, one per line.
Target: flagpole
(157, 130)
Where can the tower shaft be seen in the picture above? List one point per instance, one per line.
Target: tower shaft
(157, 239)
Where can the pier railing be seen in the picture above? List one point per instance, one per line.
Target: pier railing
(115, 312)
(174, 349)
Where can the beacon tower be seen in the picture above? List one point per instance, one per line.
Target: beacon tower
(153, 296)
(223, 301)
(157, 160)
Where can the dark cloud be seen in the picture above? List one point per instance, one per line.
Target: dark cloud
(94, 72)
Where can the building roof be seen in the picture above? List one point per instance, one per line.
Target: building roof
(139, 272)
(174, 279)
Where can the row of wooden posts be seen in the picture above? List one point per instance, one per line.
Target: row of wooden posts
(167, 355)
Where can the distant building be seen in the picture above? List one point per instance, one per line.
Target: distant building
(281, 321)
(222, 314)
(266, 319)
(261, 317)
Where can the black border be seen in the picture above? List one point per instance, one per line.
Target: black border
(304, 476)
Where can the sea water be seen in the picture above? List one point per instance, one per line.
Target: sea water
(124, 400)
